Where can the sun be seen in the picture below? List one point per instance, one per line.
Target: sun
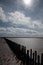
(27, 2)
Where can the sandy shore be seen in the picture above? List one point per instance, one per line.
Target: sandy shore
(7, 57)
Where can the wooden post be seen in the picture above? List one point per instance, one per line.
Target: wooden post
(24, 60)
(23, 53)
(27, 58)
(38, 60)
(31, 53)
(28, 52)
(42, 59)
(35, 57)
(30, 56)
(18, 52)
(24, 50)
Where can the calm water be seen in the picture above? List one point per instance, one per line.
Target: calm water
(30, 43)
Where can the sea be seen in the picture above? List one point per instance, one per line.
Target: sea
(36, 44)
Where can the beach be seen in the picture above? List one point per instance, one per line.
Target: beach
(7, 57)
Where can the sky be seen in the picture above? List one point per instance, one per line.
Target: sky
(21, 18)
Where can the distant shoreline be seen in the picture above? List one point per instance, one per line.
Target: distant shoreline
(21, 37)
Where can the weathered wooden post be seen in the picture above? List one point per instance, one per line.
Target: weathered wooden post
(31, 53)
(27, 58)
(23, 53)
(38, 60)
(28, 52)
(24, 50)
(18, 51)
(42, 59)
(30, 56)
(35, 57)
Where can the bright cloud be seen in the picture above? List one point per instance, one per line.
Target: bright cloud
(18, 17)
(2, 15)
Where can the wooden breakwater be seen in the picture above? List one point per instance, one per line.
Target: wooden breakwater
(27, 58)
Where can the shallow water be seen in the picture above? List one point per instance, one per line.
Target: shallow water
(30, 43)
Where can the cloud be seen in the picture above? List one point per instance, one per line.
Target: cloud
(2, 15)
(18, 32)
(38, 24)
(30, 27)
(18, 17)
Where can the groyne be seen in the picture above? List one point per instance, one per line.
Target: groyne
(27, 58)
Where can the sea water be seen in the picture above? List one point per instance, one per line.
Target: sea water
(30, 43)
